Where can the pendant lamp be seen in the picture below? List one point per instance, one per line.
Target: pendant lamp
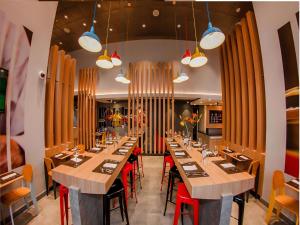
(181, 78)
(213, 37)
(122, 78)
(116, 59)
(89, 39)
(186, 57)
(198, 59)
(104, 61)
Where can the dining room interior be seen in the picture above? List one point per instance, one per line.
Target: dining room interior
(149, 112)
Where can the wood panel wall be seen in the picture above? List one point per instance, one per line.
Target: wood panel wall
(59, 99)
(151, 103)
(87, 106)
(243, 86)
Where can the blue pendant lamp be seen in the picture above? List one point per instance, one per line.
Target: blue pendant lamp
(89, 40)
(213, 37)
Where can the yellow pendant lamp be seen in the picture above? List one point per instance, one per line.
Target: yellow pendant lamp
(104, 61)
(198, 58)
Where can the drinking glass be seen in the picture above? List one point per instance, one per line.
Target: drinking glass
(76, 154)
(216, 151)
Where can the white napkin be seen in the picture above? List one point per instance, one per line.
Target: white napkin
(133, 139)
(227, 165)
(96, 149)
(129, 144)
(189, 168)
(296, 181)
(169, 139)
(243, 157)
(179, 153)
(196, 145)
(123, 150)
(58, 155)
(8, 176)
(110, 165)
(173, 145)
(109, 142)
(76, 160)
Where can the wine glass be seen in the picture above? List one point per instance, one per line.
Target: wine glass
(76, 154)
(216, 151)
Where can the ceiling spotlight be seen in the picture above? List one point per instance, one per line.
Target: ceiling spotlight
(99, 5)
(95, 21)
(84, 24)
(178, 25)
(155, 12)
(66, 17)
(129, 4)
(144, 25)
(60, 43)
(67, 30)
(104, 61)
(110, 29)
(238, 10)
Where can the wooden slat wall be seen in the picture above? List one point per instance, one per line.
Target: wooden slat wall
(242, 80)
(59, 99)
(86, 106)
(150, 91)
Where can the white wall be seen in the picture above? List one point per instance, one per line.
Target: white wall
(270, 17)
(203, 81)
(38, 17)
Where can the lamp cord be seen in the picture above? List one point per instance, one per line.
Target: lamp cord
(108, 19)
(94, 13)
(194, 23)
(207, 10)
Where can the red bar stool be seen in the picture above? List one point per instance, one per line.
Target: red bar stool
(138, 152)
(183, 197)
(128, 169)
(64, 204)
(167, 159)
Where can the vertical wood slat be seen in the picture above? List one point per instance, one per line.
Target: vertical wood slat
(159, 109)
(146, 110)
(223, 93)
(49, 100)
(238, 100)
(129, 102)
(164, 106)
(259, 81)
(71, 101)
(151, 79)
(173, 102)
(79, 107)
(142, 107)
(133, 101)
(168, 100)
(94, 107)
(244, 86)
(232, 91)
(251, 85)
(137, 102)
(155, 109)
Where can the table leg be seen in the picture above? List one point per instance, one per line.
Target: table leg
(87, 209)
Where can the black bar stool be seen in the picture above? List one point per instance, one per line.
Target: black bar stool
(173, 174)
(133, 159)
(116, 190)
(240, 200)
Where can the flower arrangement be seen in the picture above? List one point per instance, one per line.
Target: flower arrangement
(193, 121)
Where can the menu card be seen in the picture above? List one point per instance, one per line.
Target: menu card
(4, 178)
(108, 166)
(193, 170)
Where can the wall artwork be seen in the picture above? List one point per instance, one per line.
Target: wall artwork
(291, 80)
(15, 42)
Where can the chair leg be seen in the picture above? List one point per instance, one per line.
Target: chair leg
(172, 187)
(168, 189)
(121, 206)
(196, 212)
(278, 210)
(138, 171)
(26, 203)
(125, 208)
(107, 214)
(163, 174)
(61, 204)
(247, 196)
(142, 164)
(241, 212)
(54, 188)
(131, 182)
(66, 199)
(270, 209)
(177, 212)
(11, 215)
(181, 213)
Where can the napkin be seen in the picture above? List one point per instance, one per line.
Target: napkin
(108, 142)
(173, 145)
(110, 165)
(296, 181)
(179, 153)
(243, 157)
(133, 139)
(123, 150)
(76, 160)
(96, 149)
(196, 145)
(227, 165)
(58, 155)
(129, 144)
(8, 176)
(189, 168)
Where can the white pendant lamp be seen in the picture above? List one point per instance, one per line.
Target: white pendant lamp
(122, 78)
(104, 61)
(116, 59)
(181, 78)
(198, 59)
(213, 37)
(89, 40)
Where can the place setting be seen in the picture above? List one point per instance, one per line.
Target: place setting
(95, 150)
(128, 144)
(193, 170)
(182, 154)
(227, 166)
(107, 167)
(4, 178)
(77, 160)
(121, 151)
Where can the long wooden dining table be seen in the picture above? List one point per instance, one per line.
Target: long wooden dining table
(216, 190)
(87, 186)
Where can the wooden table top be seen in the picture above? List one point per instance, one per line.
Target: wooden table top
(291, 186)
(10, 181)
(83, 176)
(217, 183)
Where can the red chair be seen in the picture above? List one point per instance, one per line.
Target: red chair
(138, 152)
(183, 197)
(64, 204)
(128, 169)
(167, 159)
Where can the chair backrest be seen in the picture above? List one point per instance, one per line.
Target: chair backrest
(27, 173)
(253, 168)
(49, 163)
(278, 182)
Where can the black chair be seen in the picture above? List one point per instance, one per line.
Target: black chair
(115, 191)
(132, 159)
(173, 174)
(240, 200)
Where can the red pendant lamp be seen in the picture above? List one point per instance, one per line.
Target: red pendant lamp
(116, 59)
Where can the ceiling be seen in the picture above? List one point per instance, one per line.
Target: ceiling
(138, 12)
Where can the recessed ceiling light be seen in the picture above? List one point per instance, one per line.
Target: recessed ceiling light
(110, 29)
(66, 17)
(99, 5)
(178, 25)
(95, 21)
(155, 12)
(144, 25)
(60, 43)
(67, 30)
(129, 4)
(56, 20)
(84, 24)
(238, 10)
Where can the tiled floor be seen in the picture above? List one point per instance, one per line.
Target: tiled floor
(148, 210)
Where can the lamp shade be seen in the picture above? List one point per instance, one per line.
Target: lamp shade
(90, 41)
(198, 59)
(116, 59)
(181, 78)
(212, 38)
(186, 57)
(104, 61)
(121, 78)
